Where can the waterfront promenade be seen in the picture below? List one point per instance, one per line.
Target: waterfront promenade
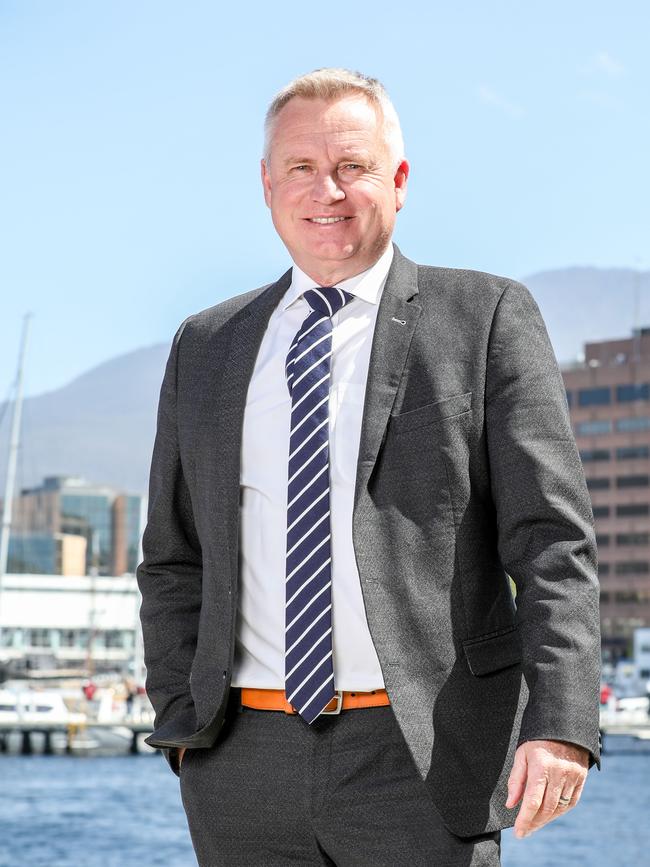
(28, 737)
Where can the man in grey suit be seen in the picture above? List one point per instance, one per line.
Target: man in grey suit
(350, 465)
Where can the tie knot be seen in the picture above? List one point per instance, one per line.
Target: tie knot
(327, 299)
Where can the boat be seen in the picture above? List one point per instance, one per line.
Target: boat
(31, 707)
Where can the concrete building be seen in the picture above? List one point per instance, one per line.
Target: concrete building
(609, 402)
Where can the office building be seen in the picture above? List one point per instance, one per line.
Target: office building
(47, 517)
(47, 553)
(609, 402)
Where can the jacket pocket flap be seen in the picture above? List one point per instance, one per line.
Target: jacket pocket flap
(454, 404)
(485, 655)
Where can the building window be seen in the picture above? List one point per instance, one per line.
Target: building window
(626, 453)
(639, 391)
(603, 568)
(633, 538)
(66, 637)
(631, 567)
(39, 638)
(600, 511)
(594, 396)
(596, 455)
(569, 397)
(10, 637)
(633, 597)
(604, 596)
(598, 426)
(598, 484)
(76, 638)
(641, 481)
(633, 423)
(602, 540)
(629, 510)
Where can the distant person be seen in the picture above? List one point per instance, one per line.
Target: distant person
(131, 692)
(348, 464)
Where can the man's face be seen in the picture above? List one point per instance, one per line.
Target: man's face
(331, 187)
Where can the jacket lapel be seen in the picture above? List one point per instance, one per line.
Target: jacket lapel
(246, 330)
(397, 317)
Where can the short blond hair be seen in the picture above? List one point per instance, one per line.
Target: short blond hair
(333, 83)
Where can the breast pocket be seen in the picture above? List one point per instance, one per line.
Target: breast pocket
(429, 413)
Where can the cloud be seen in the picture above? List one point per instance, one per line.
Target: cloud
(489, 96)
(599, 98)
(600, 68)
(604, 64)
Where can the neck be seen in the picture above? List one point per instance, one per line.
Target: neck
(332, 273)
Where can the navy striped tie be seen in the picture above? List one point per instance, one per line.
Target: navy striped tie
(309, 673)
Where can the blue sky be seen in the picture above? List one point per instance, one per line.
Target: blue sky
(131, 136)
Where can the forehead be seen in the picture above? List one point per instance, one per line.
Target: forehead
(350, 121)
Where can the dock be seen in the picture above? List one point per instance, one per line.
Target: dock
(629, 723)
(634, 724)
(75, 734)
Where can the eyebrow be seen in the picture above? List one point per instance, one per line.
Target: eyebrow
(296, 160)
(353, 156)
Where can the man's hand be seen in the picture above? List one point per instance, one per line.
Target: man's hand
(181, 750)
(550, 776)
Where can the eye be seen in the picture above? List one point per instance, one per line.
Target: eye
(352, 166)
(300, 168)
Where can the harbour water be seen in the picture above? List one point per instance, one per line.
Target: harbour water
(126, 811)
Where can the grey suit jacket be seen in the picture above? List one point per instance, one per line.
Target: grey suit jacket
(468, 473)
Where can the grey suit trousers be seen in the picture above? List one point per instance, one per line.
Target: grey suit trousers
(345, 791)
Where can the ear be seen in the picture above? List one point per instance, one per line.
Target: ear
(266, 183)
(401, 177)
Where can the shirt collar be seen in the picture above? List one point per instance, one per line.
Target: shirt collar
(367, 285)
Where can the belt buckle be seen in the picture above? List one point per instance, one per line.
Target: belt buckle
(339, 703)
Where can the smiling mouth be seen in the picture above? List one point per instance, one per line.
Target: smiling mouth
(326, 221)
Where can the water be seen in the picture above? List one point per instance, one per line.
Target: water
(123, 811)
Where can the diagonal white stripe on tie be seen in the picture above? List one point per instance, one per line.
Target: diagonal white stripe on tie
(309, 671)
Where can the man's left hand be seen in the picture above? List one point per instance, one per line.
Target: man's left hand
(550, 776)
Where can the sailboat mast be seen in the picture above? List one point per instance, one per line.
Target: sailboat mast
(11, 463)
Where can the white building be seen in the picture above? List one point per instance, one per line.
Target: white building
(642, 653)
(51, 621)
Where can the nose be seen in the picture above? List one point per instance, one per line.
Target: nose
(326, 189)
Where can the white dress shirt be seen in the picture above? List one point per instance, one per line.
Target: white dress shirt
(260, 628)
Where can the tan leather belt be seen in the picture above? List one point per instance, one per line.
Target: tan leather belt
(275, 699)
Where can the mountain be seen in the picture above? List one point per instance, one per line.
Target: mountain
(581, 305)
(102, 424)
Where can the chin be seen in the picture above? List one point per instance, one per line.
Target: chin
(332, 252)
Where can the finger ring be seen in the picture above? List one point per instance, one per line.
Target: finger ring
(564, 801)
